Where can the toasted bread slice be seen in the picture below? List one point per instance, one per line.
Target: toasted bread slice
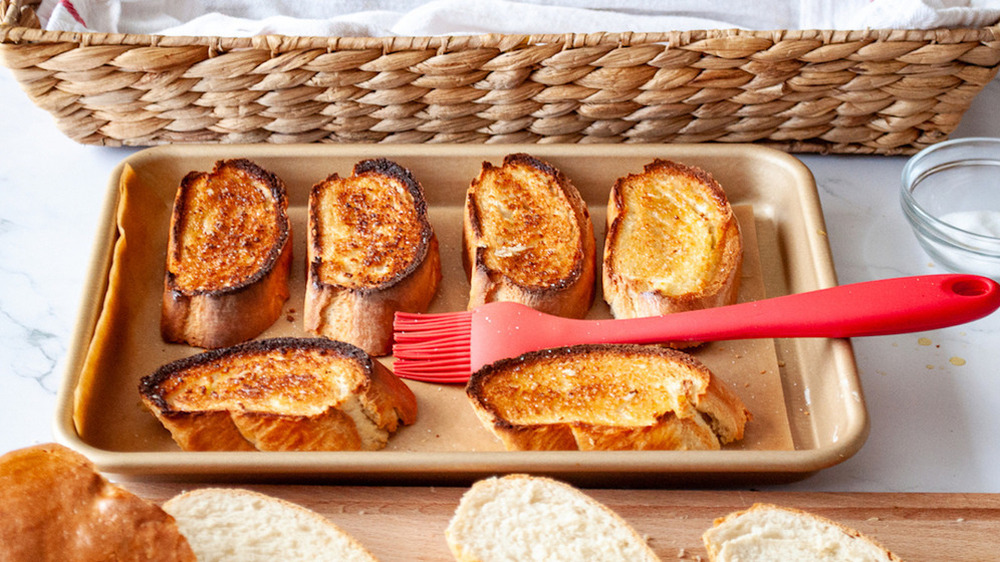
(56, 506)
(770, 532)
(591, 397)
(673, 243)
(528, 238)
(281, 394)
(372, 252)
(224, 524)
(228, 257)
(525, 518)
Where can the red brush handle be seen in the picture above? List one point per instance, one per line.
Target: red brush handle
(873, 308)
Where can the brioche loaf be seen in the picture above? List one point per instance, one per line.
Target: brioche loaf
(766, 532)
(232, 524)
(525, 518)
(281, 394)
(54, 505)
(672, 244)
(528, 238)
(372, 252)
(610, 396)
(228, 257)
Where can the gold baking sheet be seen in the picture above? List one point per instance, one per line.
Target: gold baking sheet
(804, 394)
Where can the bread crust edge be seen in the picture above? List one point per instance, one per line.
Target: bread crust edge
(571, 296)
(363, 316)
(463, 553)
(629, 298)
(214, 318)
(713, 548)
(721, 414)
(387, 401)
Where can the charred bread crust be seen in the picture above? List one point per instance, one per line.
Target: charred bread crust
(150, 385)
(707, 416)
(570, 294)
(631, 296)
(385, 400)
(229, 309)
(277, 191)
(390, 169)
(361, 313)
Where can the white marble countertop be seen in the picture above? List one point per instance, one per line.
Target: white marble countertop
(932, 396)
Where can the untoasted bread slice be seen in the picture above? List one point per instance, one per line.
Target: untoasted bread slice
(597, 397)
(281, 394)
(526, 518)
(769, 532)
(56, 506)
(528, 238)
(673, 243)
(372, 252)
(224, 524)
(228, 257)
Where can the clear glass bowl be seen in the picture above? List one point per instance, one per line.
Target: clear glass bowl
(951, 196)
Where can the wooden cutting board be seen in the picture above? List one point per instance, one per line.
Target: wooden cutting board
(407, 523)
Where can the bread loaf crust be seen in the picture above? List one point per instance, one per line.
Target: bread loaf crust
(631, 296)
(56, 506)
(569, 295)
(362, 314)
(223, 310)
(232, 408)
(588, 397)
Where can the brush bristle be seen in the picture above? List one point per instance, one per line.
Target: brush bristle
(432, 371)
(432, 347)
(419, 321)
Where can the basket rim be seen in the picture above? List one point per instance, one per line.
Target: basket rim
(18, 15)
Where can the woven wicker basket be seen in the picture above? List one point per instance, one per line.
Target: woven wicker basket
(873, 91)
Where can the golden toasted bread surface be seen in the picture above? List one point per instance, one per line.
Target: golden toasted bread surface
(528, 237)
(527, 225)
(228, 226)
(280, 379)
(56, 506)
(279, 394)
(372, 252)
(371, 228)
(606, 397)
(229, 256)
(673, 242)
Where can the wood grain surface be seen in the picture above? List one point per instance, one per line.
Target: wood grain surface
(407, 523)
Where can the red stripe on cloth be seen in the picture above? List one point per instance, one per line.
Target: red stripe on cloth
(72, 11)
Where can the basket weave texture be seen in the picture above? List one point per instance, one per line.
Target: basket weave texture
(867, 92)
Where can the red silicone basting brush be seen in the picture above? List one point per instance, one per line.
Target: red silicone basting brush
(449, 347)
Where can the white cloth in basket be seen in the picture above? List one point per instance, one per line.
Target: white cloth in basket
(376, 18)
